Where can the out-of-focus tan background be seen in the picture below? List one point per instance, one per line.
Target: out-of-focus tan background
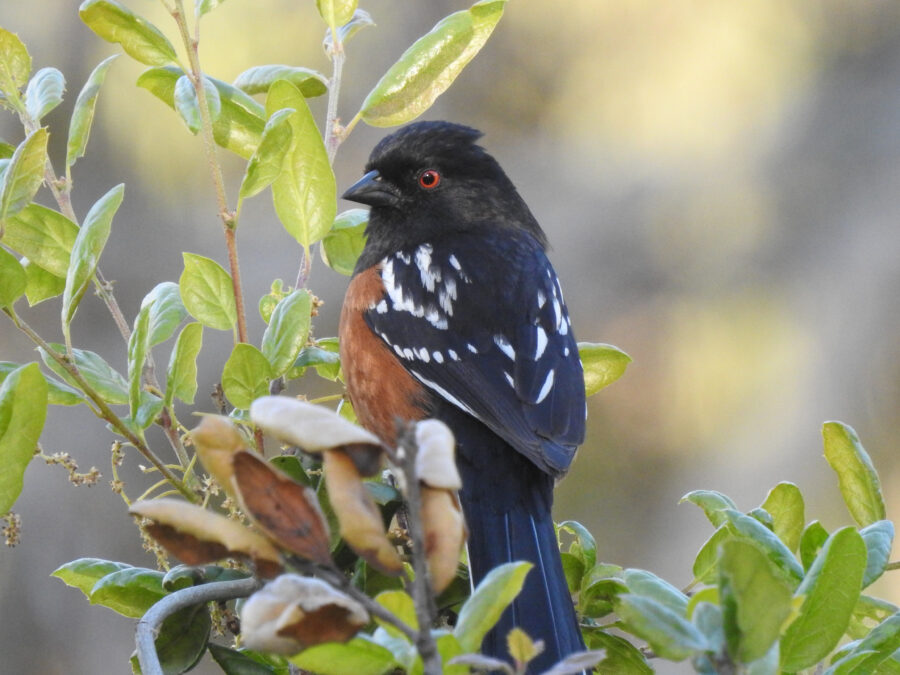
(721, 185)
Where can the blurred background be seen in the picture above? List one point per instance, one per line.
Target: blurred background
(721, 185)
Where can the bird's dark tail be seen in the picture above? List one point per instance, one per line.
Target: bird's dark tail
(507, 500)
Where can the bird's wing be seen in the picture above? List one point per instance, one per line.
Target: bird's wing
(496, 343)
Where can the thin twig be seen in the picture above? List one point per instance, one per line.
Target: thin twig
(149, 625)
(332, 139)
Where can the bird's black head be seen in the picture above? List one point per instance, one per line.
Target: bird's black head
(431, 180)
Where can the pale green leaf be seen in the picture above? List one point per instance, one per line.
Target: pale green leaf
(287, 331)
(785, 504)
(13, 279)
(879, 537)
(603, 365)
(57, 392)
(115, 23)
(266, 163)
(669, 634)
(305, 193)
(359, 656)
(130, 591)
(102, 377)
(44, 92)
(15, 63)
(23, 409)
(488, 601)
(246, 375)
(430, 65)
(83, 114)
(344, 242)
(714, 504)
(207, 292)
(85, 572)
(361, 19)
(40, 284)
(647, 584)
(401, 605)
(706, 564)
(202, 7)
(188, 105)
(830, 590)
(258, 79)
(856, 474)
(87, 248)
(24, 174)
(871, 651)
(138, 347)
(43, 236)
(181, 378)
(774, 548)
(812, 539)
(584, 547)
(336, 12)
(167, 311)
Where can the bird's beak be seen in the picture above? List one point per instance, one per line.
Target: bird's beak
(371, 190)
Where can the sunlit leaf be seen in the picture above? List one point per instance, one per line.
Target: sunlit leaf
(44, 92)
(812, 539)
(344, 242)
(856, 473)
(85, 572)
(24, 174)
(23, 409)
(15, 62)
(401, 605)
(603, 365)
(359, 656)
(785, 503)
(13, 279)
(714, 504)
(642, 582)
(266, 163)
(305, 193)
(774, 548)
(246, 375)
(57, 392)
(130, 591)
(830, 590)
(166, 313)
(669, 634)
(706, 564)
(102, 377)
(40, 284)
(83, 114)
(181, 376)
(493, 595)
(188, 105)
(138, 347)
(207, 292)
(43, 236)
(430, 65)
(258, 79)
(361, 19)
(621, 656)
(115, 23)
(336, 12)
(287, 331)
(202, 7)
(870, 652)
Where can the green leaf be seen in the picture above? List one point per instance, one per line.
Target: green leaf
(138, 347)
(43, 236)
(23, 409)
(755, 600)
(266, 163)
(188, 105)
(85, 572)
(207, 292)
(166, 311)
(622, 657)
(785, 503)
(830, 589)
(13, 279)
(15, 63)
(105, 380)
(647, 584)
(87, 248)
(336, 13)
(878, 537)
(574, 570)
(488, 601)
(401, 605)
(326, 362)
(706, 564)
(130, 591)
(234, 662)
(600, 587)
(449, 648)
(812, 539)
(778, 553)
(83, 114)
(361, 19)
(287, 331)
(24, 174)
(670, 635)
(867, 613)
(149, 407)
(115, 23)
(202, 7)
(359, 656)
(856, 474)
(714, 504)
(44, 92)
(182, 638)
(258, 79)
(877, 646)
(246, 375)
(305, 193)
(181, 378)
(6, 149)
(603, 364)
(40, 285)
(583, 547)
(57, 392)
(240, 123)
(430, 65)
(344, 243)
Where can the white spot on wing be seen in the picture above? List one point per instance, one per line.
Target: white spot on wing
(408, 354)
(547, 386)
(446, 395)
(505, 346)
(438, 357)
(541, 343)
(453, 355)
(423, 354)
(381, 307)
(454, 263)
(428, 274)
(471, 348)
(509, 378)
(541, 299)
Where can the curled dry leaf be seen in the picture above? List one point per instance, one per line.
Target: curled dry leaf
(196, 536)
(359, 517)
(282, 508)
(435, 460)
(314, 428)
(445, 534)
(293, 612)
(216, 440)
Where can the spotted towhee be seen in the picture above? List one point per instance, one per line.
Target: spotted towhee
(454, 312)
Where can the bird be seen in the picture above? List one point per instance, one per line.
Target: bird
(455, 312)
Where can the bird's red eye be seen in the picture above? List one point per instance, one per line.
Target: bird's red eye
(429, 179)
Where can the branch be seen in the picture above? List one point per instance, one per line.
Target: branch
(149, 624)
